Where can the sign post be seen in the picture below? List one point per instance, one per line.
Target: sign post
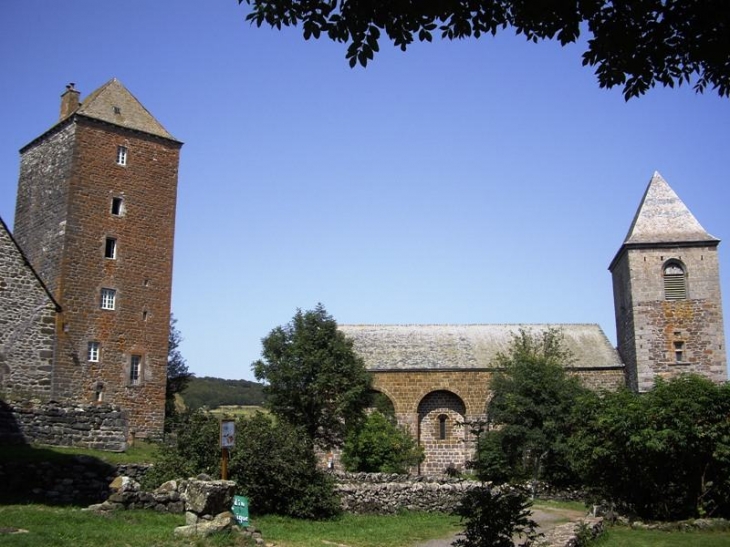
(228, 440)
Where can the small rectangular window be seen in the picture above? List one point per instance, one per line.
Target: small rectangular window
(117, 206)
(108, 299)
(110, 249)
(135, 370)
(93, 352)
(121, 155)
(679, 352)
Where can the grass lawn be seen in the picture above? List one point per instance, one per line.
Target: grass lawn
(403, 530)
(72, 527)
(141, 452)
(627, 537)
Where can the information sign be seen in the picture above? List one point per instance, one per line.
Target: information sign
(240, 510)
(228, 433)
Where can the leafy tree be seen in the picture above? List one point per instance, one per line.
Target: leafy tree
(314, 379)
(495, 518)
(380, 446)
(276, 467)
(533, 400)
(662, 455)
(178, 375)
(634, 43)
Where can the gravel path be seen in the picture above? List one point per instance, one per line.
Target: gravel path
(546, 519)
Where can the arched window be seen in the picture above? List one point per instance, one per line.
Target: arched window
(675, 281)
(442, 427)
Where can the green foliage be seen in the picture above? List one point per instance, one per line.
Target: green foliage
(275, 465)
(661, 455)
(191, 449)
(212, 393)
(379, 445)
(634, 44)
(533, 401)
(314, 378)
(178, 375)
(494, 518)
(272, 462)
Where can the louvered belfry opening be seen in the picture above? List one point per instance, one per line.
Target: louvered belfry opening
(675, 285)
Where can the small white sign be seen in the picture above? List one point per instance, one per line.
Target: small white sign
(228, 433)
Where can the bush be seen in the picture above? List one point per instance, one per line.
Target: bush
(661, 455)
(190, 449)
(275, 465)
(381, 446)
(272, 463)
(494, 518)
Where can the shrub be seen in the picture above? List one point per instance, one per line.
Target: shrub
(381, 446)
(494, 518)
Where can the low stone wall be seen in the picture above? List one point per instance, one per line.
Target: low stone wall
(383, 494)
(98, 426)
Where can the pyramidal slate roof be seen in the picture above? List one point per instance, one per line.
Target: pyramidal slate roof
(459, 347)
(664, 218)
(113, 103)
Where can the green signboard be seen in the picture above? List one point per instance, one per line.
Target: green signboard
(240, 510)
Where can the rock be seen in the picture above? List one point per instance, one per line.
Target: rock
(222, 522)
(208, 497)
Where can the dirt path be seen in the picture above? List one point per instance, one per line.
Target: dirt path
(546, 518)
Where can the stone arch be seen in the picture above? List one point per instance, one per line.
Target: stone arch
(674, 275)
(381, 400)
(439, 414)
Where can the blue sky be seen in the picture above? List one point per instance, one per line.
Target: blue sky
(479, 181)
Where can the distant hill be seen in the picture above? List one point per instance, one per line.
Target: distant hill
(214, 392)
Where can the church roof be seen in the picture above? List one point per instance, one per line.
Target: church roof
(113, 103)
(443, 347)
(664, 218)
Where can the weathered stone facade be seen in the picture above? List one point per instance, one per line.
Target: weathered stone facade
(27, 325)
(438, 377)
(667, 297)
(95, 216)
(98, 426)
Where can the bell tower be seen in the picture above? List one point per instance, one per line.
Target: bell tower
(666, 286)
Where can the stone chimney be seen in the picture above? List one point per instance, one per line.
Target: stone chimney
(69, 101)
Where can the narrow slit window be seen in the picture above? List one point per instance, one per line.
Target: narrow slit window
(442, 427)
(135, 370)
(675, 285)
(108, 299)
(121, 155)
(117, 206)
(92, 353)
(110, 248)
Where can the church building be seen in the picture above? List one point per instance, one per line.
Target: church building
(668, 317)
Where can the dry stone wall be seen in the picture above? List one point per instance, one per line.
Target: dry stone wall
(98, 426)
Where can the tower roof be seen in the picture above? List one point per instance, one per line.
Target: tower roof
(113, 103)
(664, 218)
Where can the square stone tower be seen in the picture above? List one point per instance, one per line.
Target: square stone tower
(666, 286)
(95, 216)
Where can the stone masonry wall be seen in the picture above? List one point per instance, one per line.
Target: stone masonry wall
(27, 325)
(140, 272)
(696, 322)
(101, 426)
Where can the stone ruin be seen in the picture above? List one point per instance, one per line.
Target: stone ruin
(205, 502)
